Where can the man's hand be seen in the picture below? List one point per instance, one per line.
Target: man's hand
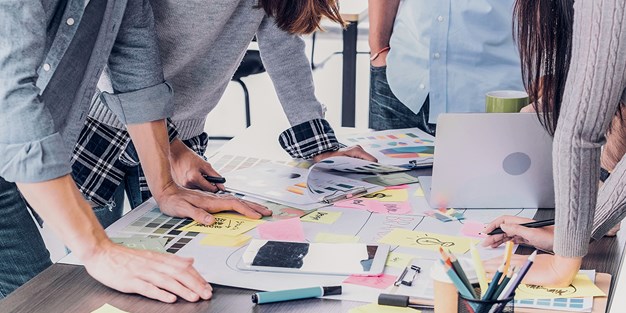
(188, 168)
(547, 270)
(356, 152)
(198, 205)
(541, 238)
(154, 275)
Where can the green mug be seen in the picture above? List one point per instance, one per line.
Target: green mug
(505, 101)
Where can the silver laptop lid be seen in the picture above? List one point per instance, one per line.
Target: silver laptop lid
(492, 160)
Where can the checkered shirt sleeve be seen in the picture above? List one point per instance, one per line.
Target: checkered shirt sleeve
(309, 139)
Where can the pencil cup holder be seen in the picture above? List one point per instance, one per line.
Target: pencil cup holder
(485, 306)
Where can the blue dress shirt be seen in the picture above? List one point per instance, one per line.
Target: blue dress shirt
(456, 51)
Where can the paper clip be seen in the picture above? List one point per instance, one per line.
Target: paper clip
(409, 282)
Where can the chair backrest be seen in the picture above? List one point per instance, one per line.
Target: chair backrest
(250, 64)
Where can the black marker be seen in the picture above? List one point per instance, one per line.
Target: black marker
(214, 179)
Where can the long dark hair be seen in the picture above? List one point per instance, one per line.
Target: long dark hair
(543, 32)
(301, 16)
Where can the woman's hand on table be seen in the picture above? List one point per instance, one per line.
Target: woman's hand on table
(188, 168)
(159, 276)
(541, 238)
(182, 202)
(547, 270)
(356, 152)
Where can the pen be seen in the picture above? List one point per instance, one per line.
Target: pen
(294, 294)
(214, 179)
(535, 224)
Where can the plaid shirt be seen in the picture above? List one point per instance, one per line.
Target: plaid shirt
(102, 155)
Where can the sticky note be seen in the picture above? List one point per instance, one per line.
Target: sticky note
(419, 192)
(322, 217)
(390, 207)
(336, 238)
(398, 260)
(473, 229)
(427, 241)
(107, 308)
(225, 240)
(377, 308)
(152, 244)
(287, 230)
(381, 282)
(356, 203)
(230, 224)
(393, 195)
(582, 286)
(405, 186)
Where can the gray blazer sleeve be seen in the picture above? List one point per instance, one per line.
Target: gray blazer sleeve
(30, 149)
(141, 94)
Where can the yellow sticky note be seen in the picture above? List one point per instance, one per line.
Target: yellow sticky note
(336, 238)
(225, 240)
(419, 192)
(107, 308)
(582, 286)
(376, 308)
(427, 241)
(389, 195)
(231, 225)
(399, 260)
(323, 217)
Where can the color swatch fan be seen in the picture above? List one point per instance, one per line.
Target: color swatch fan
(320, 185)
(398, 146)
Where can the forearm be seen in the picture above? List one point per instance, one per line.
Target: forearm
(382, 14)
(63, 208)
(152, 144)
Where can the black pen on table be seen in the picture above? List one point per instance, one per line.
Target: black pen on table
(535, 224)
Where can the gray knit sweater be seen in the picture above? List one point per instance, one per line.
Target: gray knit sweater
(202, 44)
(596, 83)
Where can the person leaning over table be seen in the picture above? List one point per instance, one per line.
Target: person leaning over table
(202, 44)
(586, 97)
(51, 55)
(432, 57)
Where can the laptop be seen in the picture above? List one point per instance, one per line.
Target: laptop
(491, 160)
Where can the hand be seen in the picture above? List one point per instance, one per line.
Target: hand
(541, 238)
(188, 168)
(154, 275)
(528, 109)
(547, 270)
(181, 202)
(356, 152)
(381, 60)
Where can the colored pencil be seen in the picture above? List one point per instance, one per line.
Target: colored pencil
(520, 275)
(456, 280)
(459, 271)
(504, 282)
(494, 284)
(508, 251)
(480, 270)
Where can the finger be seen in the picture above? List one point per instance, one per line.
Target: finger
(182, 264)
(491, 240)
(187, 277)
(208, 169)
(359, 153)
(167, 283)
(151, 291)
(197, 214)
(516, 230)
(200, 182)
(257, 207)
(232, 204)
(504, 239)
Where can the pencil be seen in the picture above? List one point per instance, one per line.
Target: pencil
(520, 275)
(456, 280)
(480, 270)
(535, 224)
(494, 283)
(459, 270)
(504, 283)
(508, 251)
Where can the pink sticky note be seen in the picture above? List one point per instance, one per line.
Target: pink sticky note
(287, 230)
(405, 186)
(391, 207)
(473, 229)
(381, 282)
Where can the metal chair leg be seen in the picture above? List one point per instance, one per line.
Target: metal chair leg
(246, 96)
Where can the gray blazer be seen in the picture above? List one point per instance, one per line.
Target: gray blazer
(36, 138)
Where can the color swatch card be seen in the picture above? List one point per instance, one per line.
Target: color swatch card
(427, 241)
(358, 166)
(398, 146)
